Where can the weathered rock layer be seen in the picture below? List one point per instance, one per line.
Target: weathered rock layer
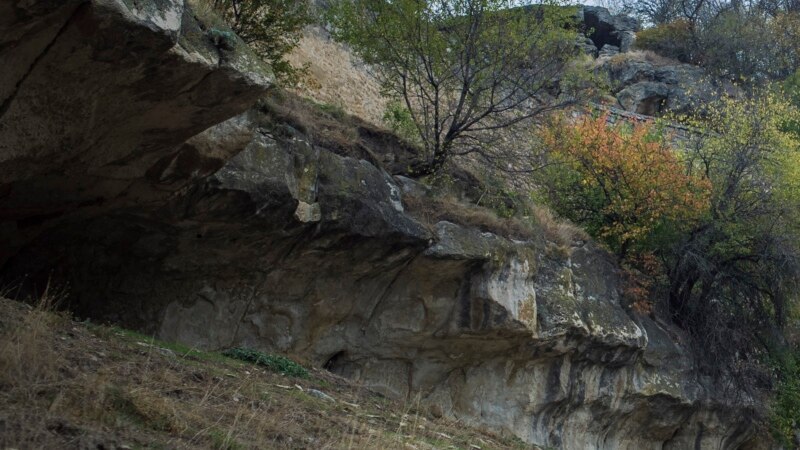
(96, 99)
(289, 247)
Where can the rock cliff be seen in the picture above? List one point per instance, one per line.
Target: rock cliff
(248, 234)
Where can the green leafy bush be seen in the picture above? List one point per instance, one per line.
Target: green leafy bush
(275, 363)
(785, 413)
(673, 40)
(399, 119)
(271, 27)
(791, 88)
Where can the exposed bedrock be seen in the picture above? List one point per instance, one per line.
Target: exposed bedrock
(95, 94)
(606, 29)
(292, 248)
(662, 86)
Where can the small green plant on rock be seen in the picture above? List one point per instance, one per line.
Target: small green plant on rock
(275, 363)
(271, 27)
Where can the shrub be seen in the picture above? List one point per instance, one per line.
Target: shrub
(271, 27)
(734, 276)
(791, 88)
(673, 40)
(399, 119)
(275, 363)
(622, 184)
(785, 412)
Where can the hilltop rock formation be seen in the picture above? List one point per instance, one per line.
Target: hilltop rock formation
(294, 249)
(649, 85)
(247, 234)
(614, 33)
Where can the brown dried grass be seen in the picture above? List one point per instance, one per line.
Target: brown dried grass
(639, 55)
(559, 231)
(336, 76)
(69, 385)
(431, 210)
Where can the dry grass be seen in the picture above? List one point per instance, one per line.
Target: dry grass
(72, 385)
(202, 7)
(326, 125)
(431, 210)
(336, 76)
(543, 222)
(332, 128)
(639, 55)
(558, 231)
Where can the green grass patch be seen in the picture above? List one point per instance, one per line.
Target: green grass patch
(223, 441)
(275, 363)
(180, 350)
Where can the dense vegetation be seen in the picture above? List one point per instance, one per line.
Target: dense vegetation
(743, 41)
(271, 27)
(709, 228)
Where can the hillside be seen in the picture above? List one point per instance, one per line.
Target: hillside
(68, 384)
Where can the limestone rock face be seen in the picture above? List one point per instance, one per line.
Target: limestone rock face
(96, 99)
(291, 248)
(651, 88)
(605, 28)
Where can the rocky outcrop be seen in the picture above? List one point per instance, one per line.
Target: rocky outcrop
(652, 86)
(96, 99)
(608, 31)
(247, 234)
(291, 248)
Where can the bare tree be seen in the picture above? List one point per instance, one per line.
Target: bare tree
(464, 69)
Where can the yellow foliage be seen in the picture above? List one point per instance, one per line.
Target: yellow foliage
(622, 184)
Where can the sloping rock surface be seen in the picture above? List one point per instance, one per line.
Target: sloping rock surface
(521, 336)
(96, 99)
(652, 88)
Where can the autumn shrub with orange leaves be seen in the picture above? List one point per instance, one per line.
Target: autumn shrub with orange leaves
(622, 182)
(628, 188)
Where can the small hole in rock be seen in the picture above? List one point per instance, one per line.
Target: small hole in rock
(334, 363)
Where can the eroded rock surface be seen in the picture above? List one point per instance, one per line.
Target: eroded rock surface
(96, 99)
(653, 88)
(606, 29)
(522, 336)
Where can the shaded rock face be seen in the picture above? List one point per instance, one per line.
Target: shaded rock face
(96, 99)
(245, 234)
(605, 29)
(291, 248)
(644, 87)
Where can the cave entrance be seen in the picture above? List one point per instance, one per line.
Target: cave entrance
(602, 32)
(651, 106)
(335, 364)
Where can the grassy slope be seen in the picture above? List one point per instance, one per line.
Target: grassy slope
(65, 384)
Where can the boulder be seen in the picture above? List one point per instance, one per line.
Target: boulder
(606, 29)
(586, 46)
(608, 50)
(653, 86)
